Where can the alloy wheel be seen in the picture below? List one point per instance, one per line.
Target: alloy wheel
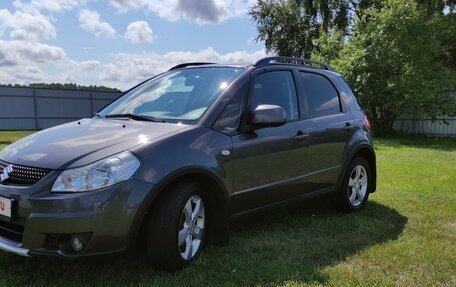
(357, 185)
(191, 227)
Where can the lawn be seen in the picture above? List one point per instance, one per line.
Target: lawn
(7, 137)
(406, 236)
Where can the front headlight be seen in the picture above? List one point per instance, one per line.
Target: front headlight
(103, 173)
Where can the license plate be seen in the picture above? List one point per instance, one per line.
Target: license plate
(5, 207)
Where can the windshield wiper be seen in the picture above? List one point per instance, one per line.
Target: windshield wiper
(98, 116)
(135, 117)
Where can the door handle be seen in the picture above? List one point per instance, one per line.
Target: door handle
(300, 136)
(348, 127)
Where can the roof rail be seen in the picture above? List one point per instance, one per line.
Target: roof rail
(189, 64)
(292, 60)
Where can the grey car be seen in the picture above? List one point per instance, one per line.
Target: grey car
(173, 160)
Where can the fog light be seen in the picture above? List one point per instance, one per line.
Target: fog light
(76, 243)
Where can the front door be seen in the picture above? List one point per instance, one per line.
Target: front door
(269, 162)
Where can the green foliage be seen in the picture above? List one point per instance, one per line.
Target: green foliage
(284, 27)
(437, 6)
(291, 27)
(399, 56)
(397, 63)
(329, 46)
(66, 86)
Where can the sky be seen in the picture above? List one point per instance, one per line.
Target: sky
(119, 43)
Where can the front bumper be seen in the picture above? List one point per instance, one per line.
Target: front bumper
(110, 216)
(13, 247)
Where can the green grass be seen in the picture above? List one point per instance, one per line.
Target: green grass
(406, 236)
(7, 137)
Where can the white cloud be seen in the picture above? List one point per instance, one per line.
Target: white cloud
(90, 21)
(4, 61)
(20, 61)
(24, 62)
(17, 52)
(200, 11)
(25, 57)
(88, 65)
(210, 55)
(33, 73)
(111, 73)
(26, 26)
(49, 5)
(127, 70)
(139, 32)
(26, 74)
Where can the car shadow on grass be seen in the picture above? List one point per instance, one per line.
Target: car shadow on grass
(272, 248)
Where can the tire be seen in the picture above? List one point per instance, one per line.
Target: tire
(175, 229)
(355, 188)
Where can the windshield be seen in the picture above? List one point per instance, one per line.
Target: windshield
(181, 95)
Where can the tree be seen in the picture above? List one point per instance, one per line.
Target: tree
(72, 86)
(399, 60)
(66, 86)
(291, 28)
(284, 27)
(398, 55)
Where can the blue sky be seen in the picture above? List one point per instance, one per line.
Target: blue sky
(119, 42)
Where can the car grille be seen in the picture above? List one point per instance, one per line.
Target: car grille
(11, 231)
(23, 175)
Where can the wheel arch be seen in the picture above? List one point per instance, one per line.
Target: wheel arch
(215, 191)
(367, 152)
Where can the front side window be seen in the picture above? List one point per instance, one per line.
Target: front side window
(276, 88)
(181, 95)
(322, 97)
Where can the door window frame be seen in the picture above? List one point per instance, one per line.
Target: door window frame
(248, 109)
(342, 104)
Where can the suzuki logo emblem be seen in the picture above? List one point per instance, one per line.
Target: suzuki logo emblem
(6, 171)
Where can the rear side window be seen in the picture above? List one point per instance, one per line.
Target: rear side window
(322, 97)
(349, 97)
(276, 88)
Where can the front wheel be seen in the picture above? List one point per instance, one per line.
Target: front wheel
(354, 191)
(191, 227)
(176, 227)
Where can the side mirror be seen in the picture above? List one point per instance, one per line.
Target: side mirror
(269, 116)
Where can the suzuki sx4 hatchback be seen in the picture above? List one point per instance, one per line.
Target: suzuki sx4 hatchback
(169, 163)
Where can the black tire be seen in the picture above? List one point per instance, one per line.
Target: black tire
(345, 202)
(163, 225)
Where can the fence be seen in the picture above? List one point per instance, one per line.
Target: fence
(443, 127)
(36, 109)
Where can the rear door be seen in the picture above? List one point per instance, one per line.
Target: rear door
(329, 126)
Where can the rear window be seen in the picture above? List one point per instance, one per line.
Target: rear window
(322, 97)
(349, 97)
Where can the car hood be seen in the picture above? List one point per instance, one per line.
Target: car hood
(83, 142)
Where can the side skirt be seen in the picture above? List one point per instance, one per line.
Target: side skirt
(256, 210)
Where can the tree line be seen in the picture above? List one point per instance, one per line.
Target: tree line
(66, 86)
(399, 56)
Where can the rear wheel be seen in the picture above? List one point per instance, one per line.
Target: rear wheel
(176, 227)
(354, 192)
